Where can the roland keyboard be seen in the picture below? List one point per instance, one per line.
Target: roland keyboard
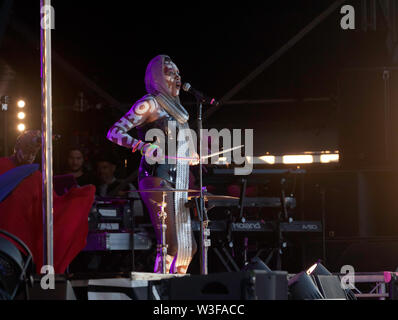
(257, 176)
(256, 202)
(261, 226)
(229, 171)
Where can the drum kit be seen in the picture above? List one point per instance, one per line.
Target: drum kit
(205, 232)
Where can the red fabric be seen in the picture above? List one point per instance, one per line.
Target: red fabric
(21, 215)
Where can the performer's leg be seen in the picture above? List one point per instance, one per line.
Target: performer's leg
(183, 268)
(152, 201)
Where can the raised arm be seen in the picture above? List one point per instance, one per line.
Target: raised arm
(140, 112)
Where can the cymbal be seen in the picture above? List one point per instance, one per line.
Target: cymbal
(162, 190)
(213, 197)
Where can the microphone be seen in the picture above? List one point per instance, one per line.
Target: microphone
(199, 95)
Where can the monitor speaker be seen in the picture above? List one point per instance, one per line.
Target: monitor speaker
(330, 287)
(245, 285)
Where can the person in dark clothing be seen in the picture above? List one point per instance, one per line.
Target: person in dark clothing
(107, 184)
(75, 161)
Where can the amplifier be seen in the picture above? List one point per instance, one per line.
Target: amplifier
(105, 241)
(114, 214)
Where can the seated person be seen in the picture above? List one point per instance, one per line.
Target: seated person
(108, 185)
(21, 210)
(75, 162)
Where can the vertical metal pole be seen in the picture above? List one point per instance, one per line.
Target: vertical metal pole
(203, 262)
(204, 231)
(46, 116)
(387, 123)
(5, 114)
(4, 110)
(163, 216)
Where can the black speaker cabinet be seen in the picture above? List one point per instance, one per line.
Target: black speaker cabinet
(248, 285)
(330, 287)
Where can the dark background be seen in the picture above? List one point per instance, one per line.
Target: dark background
(215, 47)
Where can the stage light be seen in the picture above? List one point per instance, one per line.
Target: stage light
(221, 160)
(21, 115)
(302, 287)
(21, 104)
(311, 269)
(318, 269)
(256, 264)
(268, 159)
(306, 157)
(326, 158)
(21, 127)
(332, 285)
(16, 267)
(296, 159)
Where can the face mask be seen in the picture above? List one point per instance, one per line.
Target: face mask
(172, 78)
(25, 157)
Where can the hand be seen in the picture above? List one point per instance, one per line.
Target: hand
(195, 159)
(152, 153)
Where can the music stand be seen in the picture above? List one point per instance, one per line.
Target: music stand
(241, 218)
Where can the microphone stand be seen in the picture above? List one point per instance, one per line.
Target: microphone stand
(202, 214)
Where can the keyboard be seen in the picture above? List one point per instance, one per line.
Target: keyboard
(260, 226)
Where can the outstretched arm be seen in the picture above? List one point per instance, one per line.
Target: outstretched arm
(140, 112)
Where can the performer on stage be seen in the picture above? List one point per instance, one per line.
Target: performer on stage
(155, 111)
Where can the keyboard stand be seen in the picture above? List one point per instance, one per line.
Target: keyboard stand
(224, 261)
(242, 200)
(279, 242)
